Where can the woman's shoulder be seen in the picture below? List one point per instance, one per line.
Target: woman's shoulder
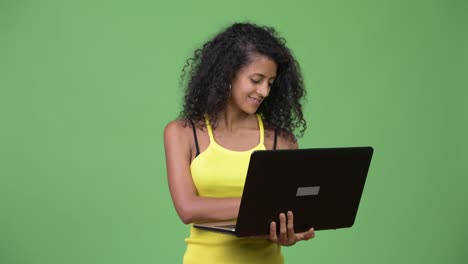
(177, 126)
(180, 129)
(179, 136)
(181, 125)
(284, 139)
(177, 130)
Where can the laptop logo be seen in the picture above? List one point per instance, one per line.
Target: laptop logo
(308, 191)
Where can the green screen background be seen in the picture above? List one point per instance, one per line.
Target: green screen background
(88, 86)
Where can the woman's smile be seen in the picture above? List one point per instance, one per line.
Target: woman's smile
(256, 100)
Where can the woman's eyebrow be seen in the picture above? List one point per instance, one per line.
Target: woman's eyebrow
(264, 75)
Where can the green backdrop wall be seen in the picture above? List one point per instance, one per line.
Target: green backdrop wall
(86, 88)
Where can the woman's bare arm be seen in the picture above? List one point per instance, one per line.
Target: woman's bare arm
(189, 206)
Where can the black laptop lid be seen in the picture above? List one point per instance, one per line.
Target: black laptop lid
(322, 187)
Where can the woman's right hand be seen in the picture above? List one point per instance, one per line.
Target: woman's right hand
(287, 236)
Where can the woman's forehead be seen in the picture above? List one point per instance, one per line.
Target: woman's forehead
(260, 65)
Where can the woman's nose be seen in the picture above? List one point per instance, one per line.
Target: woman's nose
(264, 89)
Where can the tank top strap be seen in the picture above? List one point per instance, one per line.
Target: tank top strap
(210, 130)
(260, 126)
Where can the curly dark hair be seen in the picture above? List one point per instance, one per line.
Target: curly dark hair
(216, 63)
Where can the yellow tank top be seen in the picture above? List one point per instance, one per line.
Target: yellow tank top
(220, 172)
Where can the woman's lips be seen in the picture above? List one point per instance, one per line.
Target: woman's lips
(256, 100)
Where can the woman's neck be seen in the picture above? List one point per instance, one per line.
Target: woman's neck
(231, 121)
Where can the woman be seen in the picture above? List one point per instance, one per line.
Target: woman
(243, 94)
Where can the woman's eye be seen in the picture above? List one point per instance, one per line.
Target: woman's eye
(255, 81)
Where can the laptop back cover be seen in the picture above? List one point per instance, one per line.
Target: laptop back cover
(322, 187)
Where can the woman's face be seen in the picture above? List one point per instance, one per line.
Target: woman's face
(252, 84)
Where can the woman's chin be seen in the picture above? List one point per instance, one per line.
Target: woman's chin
(251, 110)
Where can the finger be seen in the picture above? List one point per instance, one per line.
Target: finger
(273, 236)
(305, 235)
(290, 227)
(309, 234)
(283, 235)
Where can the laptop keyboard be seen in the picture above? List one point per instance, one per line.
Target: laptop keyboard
(228, 226)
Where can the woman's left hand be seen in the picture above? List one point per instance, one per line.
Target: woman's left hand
(287, 237)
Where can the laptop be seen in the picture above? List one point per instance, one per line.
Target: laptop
(321, 186)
